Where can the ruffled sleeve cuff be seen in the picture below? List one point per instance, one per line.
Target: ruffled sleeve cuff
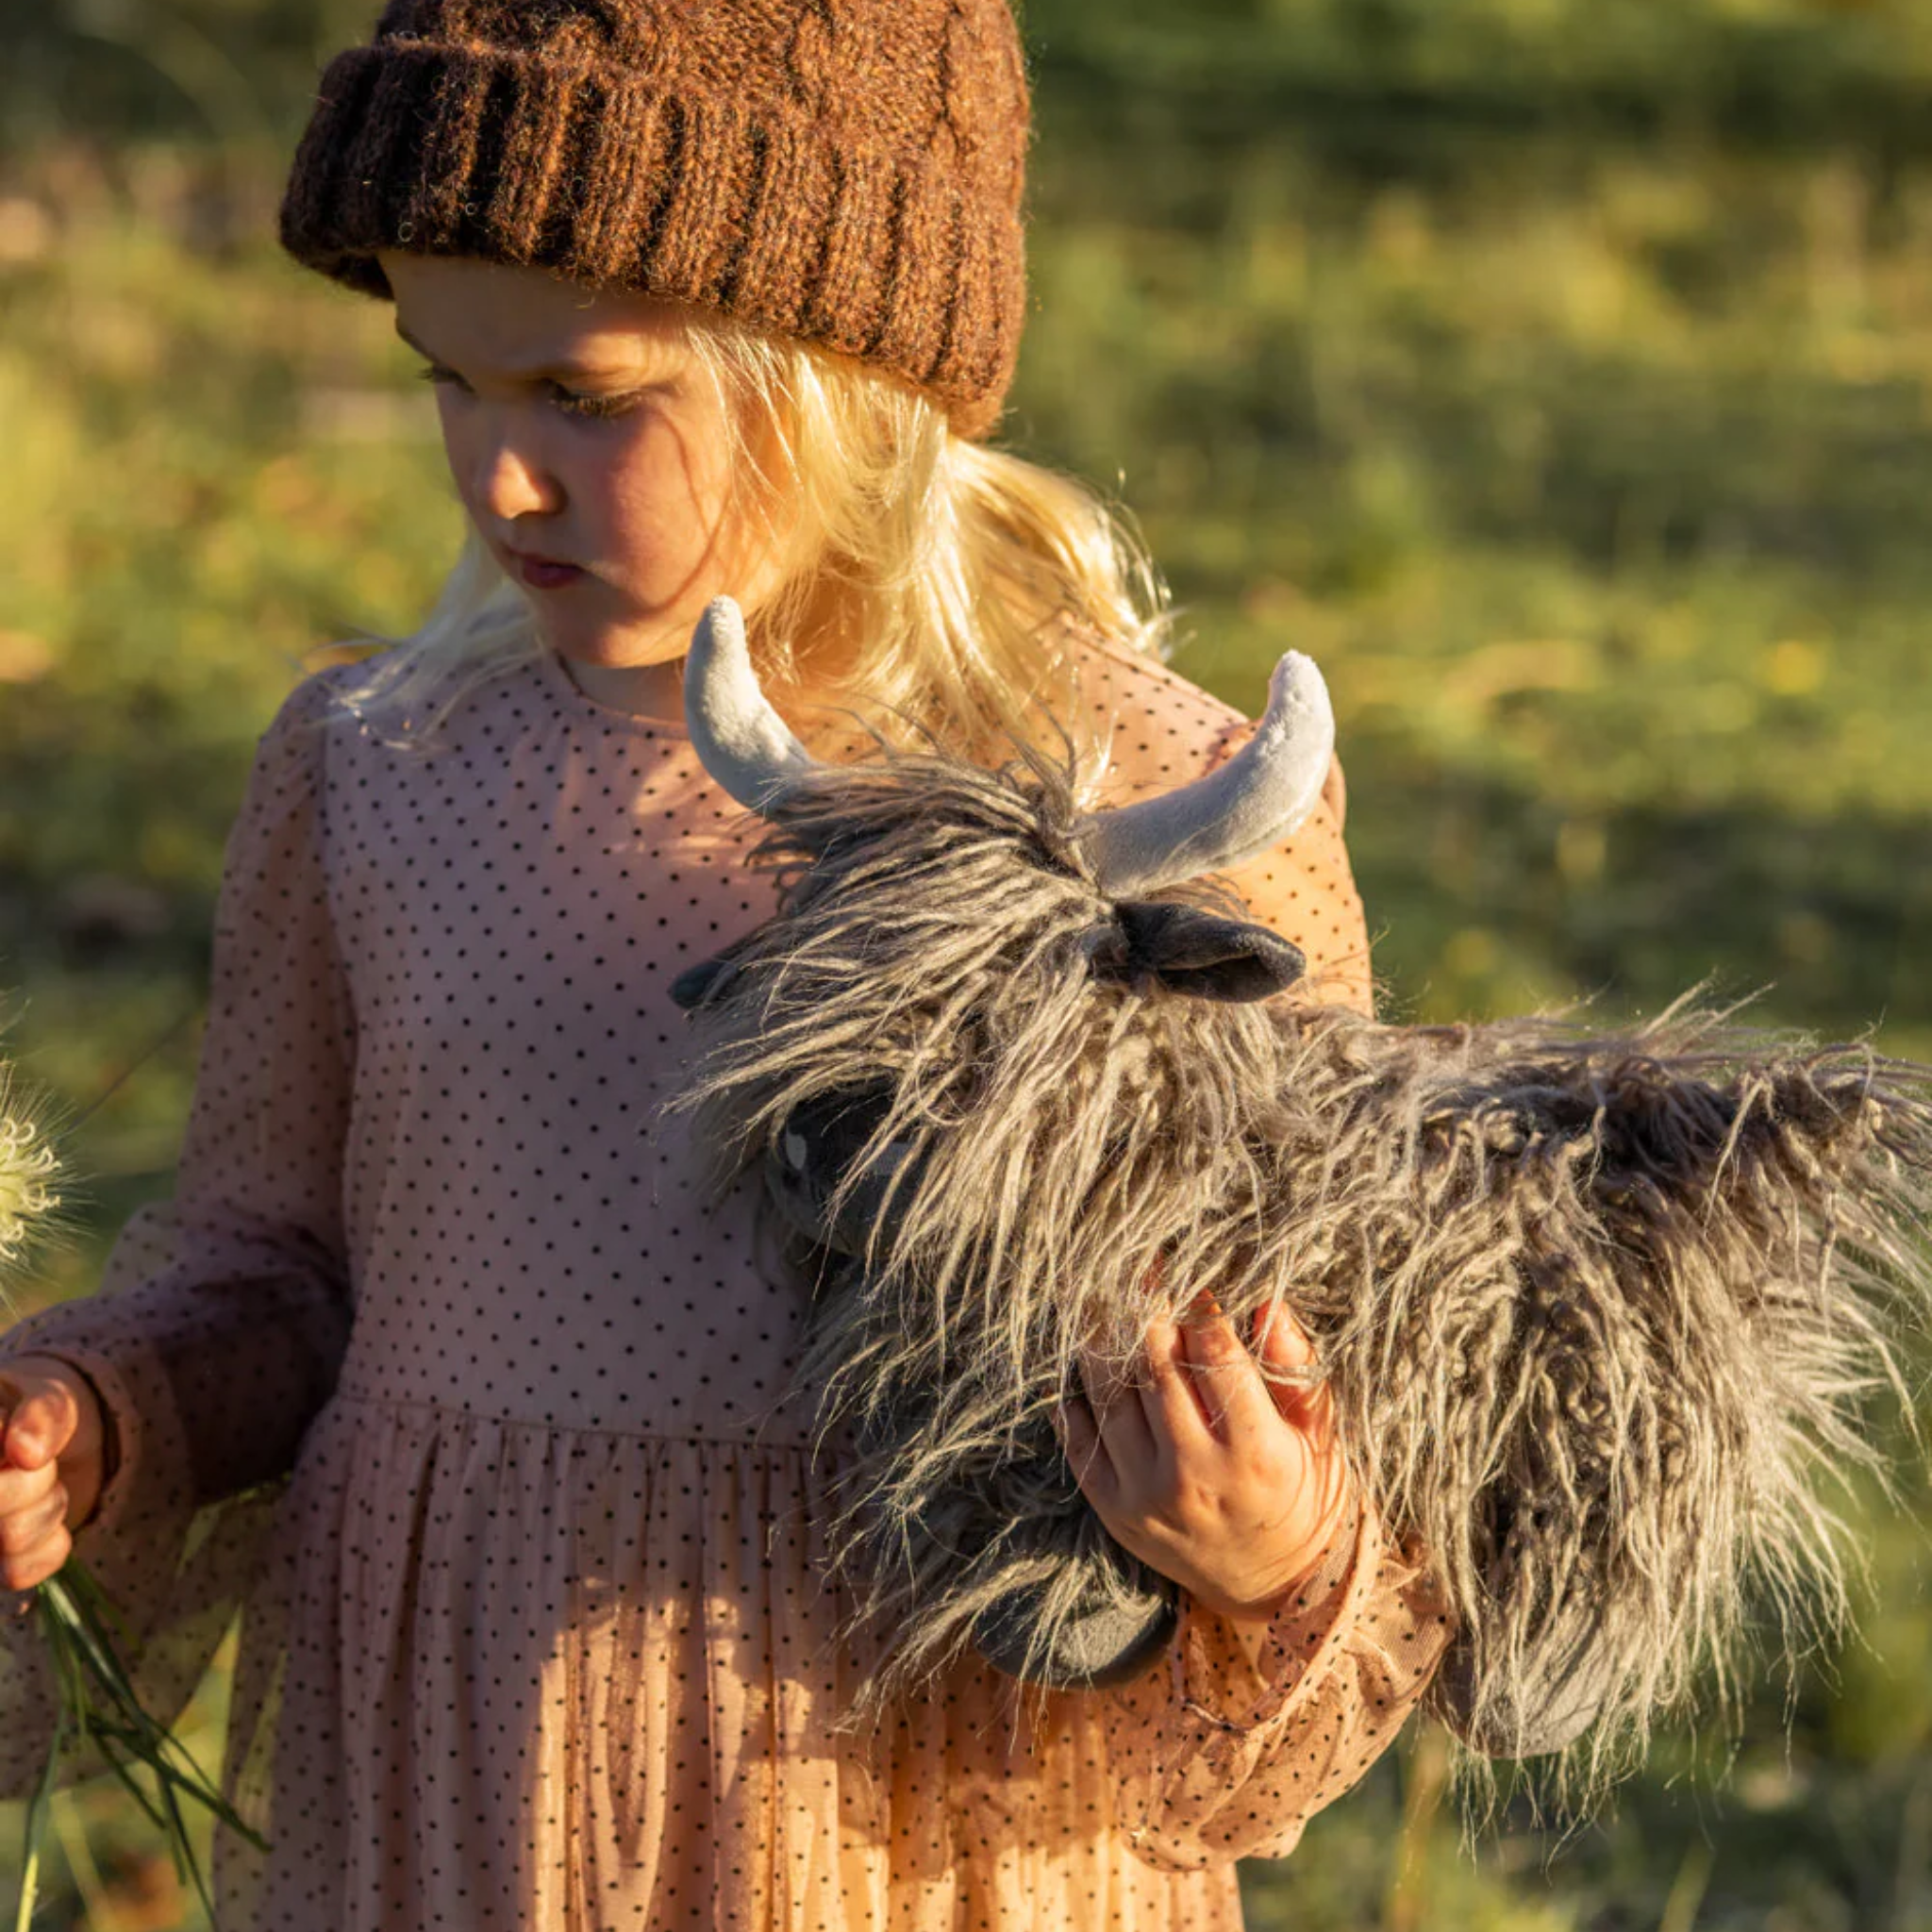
(146, 1443)
(1217, 1759)
(1223, 1684)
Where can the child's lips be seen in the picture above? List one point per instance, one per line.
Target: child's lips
(546, 573)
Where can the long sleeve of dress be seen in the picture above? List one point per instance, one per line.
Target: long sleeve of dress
(223, 1316)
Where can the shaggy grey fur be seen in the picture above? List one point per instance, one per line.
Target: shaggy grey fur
(1599, 1312)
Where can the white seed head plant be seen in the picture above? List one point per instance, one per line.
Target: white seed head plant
(29, 1174)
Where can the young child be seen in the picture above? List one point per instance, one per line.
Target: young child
(438, 1369)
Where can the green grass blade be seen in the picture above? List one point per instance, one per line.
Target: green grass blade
(38, 1812)
(123, 1771)
(96, 1695)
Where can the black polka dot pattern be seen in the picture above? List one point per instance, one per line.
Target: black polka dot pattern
(441, 1367)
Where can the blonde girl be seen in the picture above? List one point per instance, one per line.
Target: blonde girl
(437, 1370)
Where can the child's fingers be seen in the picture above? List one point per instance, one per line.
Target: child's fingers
(1230, 1392)
(1113, 1395)
(1281, 1343)
(1085, 1452)
(21, 1489)
(1179, 1412)
(1281, 1340)
(21, 1531)
(33, 1524)
(34, 1541)
(32, 1567)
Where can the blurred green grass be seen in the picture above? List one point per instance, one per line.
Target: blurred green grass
(1559, 375)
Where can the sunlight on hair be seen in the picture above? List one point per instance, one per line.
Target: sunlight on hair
(927, 581)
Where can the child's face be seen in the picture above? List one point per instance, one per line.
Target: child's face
(591, 448)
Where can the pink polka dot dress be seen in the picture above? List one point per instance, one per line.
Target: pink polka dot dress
(439, 1371)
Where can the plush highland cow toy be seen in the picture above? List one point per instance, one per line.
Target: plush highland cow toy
(1597, 1312)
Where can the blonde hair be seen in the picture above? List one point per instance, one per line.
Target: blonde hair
(929, 581)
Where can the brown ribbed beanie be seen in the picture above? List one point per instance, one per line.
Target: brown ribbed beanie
(848, 172)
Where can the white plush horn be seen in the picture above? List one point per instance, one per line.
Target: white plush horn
(739, 739)
(1256, 799)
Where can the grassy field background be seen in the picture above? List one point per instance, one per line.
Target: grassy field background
(1560, 375)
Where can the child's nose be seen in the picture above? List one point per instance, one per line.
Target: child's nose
(511, 482)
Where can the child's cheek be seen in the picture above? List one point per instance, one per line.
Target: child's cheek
(658, 513)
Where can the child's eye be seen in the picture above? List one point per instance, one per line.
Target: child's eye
(598, 408)
(440, 377)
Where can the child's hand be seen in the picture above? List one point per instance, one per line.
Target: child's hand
(1230, 1485)
(51, 1448)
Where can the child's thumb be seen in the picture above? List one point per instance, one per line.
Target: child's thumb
(41, 1417)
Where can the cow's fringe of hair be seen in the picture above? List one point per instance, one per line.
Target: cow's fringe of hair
(1600, 1313)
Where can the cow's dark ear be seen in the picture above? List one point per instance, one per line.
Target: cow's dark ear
(711, 980)
(1197, 953)
(696, 984)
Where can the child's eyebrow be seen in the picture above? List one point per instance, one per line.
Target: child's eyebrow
(565, 370)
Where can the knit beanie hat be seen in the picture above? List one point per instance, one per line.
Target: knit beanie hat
(846, 172)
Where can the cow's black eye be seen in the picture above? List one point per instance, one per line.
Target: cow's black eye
(815, 1155)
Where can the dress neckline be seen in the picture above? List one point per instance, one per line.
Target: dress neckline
(571, 696)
